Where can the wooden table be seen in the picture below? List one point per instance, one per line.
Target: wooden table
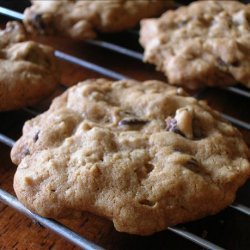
(228, 229)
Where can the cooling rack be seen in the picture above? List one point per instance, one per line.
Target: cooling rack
(189, 232)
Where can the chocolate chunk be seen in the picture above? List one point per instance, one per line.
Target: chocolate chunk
(36, 137)
(132, 121)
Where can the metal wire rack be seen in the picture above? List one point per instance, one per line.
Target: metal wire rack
(62, 230)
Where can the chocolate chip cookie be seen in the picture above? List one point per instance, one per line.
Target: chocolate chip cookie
(205, 43)
(28, 70)
(82, 19)
(143, 155)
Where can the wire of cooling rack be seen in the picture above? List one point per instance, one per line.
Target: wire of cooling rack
(61, 229)
(6, 140)
(51, 224)
(116, 48)
(89, 65)
(238, 91)
(241, 208)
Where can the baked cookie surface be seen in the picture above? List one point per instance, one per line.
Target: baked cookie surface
(82, 19)
(205, 43)
(144, 155)
(28, 70)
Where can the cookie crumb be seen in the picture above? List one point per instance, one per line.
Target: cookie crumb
(132, 122)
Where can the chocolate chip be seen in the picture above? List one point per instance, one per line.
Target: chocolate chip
(224, 64)
(172, 126)
(37, 223)
(235, 64)
(132, 122)
(36, 137)
(221, 62)
(198, 133)
(193, 165)
(147, 202)
(127, 112)
(26, 152)
(182, 23)
(38, 22)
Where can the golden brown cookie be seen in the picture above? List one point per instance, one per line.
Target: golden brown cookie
(205, 43)
(144, 155)
(28, 70)
(82, 19)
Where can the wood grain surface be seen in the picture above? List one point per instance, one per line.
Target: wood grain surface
(229, 229)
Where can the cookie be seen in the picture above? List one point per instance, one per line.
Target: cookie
(205, 43)
(143, 155)
(82, 19)
(28, 70)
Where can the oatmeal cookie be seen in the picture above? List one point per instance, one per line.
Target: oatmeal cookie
(144, 155)
(82, 19)
(28, 70)
(205, 43)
